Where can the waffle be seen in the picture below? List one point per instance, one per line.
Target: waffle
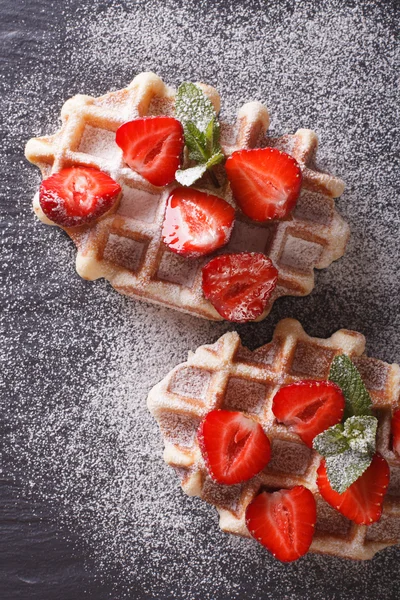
(126, 247)
(227, 375)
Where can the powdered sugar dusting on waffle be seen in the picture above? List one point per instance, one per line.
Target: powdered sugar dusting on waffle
(295, 246)
(296, 356)
(83, 358)
(100, 143)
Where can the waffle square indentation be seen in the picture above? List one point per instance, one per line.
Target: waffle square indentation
(386, 529)
(138, 204)
(100, 143)
(315, 208)
(300, 254)
(394, 484)
(177, 269)
(179, 429)
(289, 457)
(244, 395)
(190, 382)
(247, 237)
(223, 496)
(373, 371)
(311, 361)
(330, 521)
(124, 252)
(262, 356)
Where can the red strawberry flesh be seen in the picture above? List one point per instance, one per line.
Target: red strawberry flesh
(77, 195)
(196, 223)
(152, 146)
(234, 447)
(283, 522)
(239, 286)
(362, 501)
(265, 182)
(396, 432)
(309, 407)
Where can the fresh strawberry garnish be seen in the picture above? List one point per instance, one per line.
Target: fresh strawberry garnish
(77, 195)
(362, 501)
(196, 223)
(239, 285)
(396, 432)
(309, 407)
(152, 147)
(234, 447)
(265, 182)
(283, 521)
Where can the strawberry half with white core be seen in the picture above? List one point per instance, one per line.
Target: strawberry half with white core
(396, 432)
(234, 447)
(309, 407)
(152, 146)
(283, 522)
(77, 195)
(265, 182)
(362, 501)
(239, 285)
(196, 223)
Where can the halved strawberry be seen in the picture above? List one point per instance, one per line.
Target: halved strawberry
(152, 147)
(265, 182)
(283, 521)
(77, 195)
(234, 447)
(239, 285)
(362, 501)
(196, 223)
(396, 432)
(309, 407)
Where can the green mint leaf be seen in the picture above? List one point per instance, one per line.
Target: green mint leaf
(331, 442)
(212, 136)
(196, 142)
(215, 160)
(344, 373)
(199, 146)
(361, 433)
(189, 176)
(191, 104)
(348, 450)
(201, 129)
(342, 473)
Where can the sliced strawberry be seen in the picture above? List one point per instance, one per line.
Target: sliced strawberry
(309, 407)
(196, 223)
(152, 146)
(239, 285)
(283, 521)
(234, 447)
(77, 195)
(396, 432)
(265, 182)
(362, 501)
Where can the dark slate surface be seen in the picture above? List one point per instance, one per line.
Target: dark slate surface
(43, 555)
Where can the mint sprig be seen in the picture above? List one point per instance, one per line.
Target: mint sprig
(348, 448)
(345, 374)
(201, 129)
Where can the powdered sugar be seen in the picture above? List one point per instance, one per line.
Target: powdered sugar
(82, 359)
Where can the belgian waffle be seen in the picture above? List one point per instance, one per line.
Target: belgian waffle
(126, 247)
(229, 376)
